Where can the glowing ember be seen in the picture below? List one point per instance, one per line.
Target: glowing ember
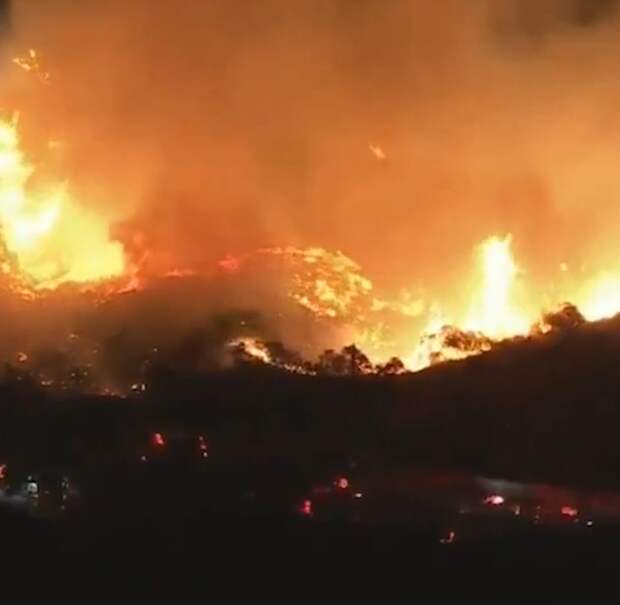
(306, 508)
(30, 63)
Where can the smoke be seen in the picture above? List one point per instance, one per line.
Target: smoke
(219, 127)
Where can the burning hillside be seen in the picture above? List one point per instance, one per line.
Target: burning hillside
(122, 202)
(51, 240)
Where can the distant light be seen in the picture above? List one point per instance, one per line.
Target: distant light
(158, 439)
(358, 495)
(342, 483)
(2, 471)
(450, 539)
(306, 507)
(495, 500)
(590, 523)
(569, 511)
(143, 458)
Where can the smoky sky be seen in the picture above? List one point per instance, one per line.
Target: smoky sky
(217, 127)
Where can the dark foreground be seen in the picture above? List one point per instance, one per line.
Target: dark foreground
(197, 518)
(255, 469)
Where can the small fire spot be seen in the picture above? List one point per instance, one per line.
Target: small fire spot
(306, 508)
(342, 483)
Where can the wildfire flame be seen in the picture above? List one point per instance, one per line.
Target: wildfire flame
(329, 284)
(495, 304)
(48, 239)
(52, 239)
(602, 298)
(494, 313)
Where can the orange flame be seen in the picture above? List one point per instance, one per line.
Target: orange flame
(52, 239)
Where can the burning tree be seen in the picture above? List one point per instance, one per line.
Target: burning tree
(565, 317)
(450, 343)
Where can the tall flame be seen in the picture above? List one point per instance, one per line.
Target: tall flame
(52, 239)
(494, 313)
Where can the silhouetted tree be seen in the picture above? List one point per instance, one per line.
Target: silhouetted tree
(333, 363)
(392, 367)
(357, 361)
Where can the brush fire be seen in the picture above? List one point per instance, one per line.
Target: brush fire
(58, 246)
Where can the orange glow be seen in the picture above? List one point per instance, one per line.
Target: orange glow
(601, 298)
(49, 239)
(426, 223)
